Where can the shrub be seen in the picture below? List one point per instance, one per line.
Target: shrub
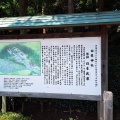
(13, 116)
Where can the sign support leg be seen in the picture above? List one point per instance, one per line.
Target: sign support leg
(3, 104)
(108, 105)
(104, 68)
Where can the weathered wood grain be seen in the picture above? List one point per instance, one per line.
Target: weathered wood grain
(3, 104)
(51, 35)
(108, 105)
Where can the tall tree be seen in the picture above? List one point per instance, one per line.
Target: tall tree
(70, 6)
(43, 12)
(43, 8)
(100, 5)
(70, 10)
(23, 7)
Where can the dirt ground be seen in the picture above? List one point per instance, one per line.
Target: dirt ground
(57, 114)
(62, 114)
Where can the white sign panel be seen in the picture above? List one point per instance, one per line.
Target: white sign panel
(58, 65)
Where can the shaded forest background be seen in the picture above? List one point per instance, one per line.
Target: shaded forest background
(13, 8)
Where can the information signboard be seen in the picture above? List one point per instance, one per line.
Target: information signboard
(57, 66)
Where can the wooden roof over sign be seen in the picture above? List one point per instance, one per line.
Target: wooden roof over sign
(61, 20)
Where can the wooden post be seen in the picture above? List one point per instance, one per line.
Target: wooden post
(104, 50)
(3, 104)
(104, 67)
(108, 105)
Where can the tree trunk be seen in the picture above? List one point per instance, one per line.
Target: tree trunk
(23, 7)
(70, 6)
(101, 5)
(94, 3)
(23, 11)
(70, 10)
(43, 12)
(12, 8)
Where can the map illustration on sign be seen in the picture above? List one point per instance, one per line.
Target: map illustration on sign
(21, 58)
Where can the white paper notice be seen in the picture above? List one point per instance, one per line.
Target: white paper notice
(58, 65)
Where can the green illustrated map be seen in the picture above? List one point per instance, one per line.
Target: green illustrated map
(20, 58)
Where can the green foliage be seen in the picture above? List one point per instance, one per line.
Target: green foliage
(58, 7)
(118, 30)
(34, 7)
(13, 116)
(9, 8)
(71, 118)
(12, 7)
(85, 6)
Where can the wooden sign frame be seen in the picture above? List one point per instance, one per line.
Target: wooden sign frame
(104, 66)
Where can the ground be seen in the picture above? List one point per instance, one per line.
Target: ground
(49, 113)
(58, 114)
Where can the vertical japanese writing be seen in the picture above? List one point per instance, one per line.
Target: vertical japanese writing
(96, 76)
(69, 64)
(77, 59)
